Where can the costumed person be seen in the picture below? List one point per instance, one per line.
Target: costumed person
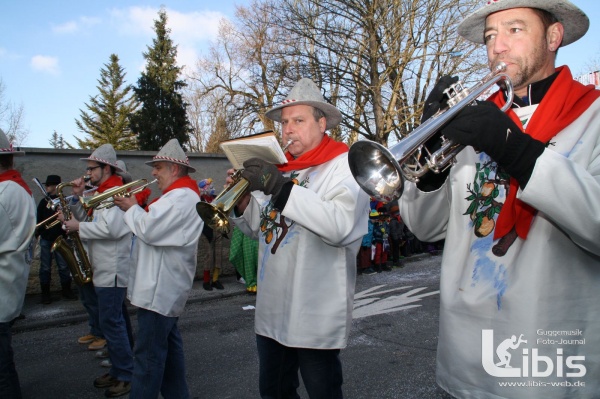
(520, 215)
(243, 254)
(167, 235)
(17, 212)
(208, 242)
(109, 243)
(309, 216)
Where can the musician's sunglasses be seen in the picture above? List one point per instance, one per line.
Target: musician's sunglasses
(90, 168)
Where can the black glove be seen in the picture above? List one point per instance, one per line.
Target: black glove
(264, 176)
(436, 98)
(486, 128)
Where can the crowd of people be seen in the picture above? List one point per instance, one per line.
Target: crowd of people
(388, 241)
(517, 214)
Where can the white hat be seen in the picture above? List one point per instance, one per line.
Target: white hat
(306, 92)
(104, 154)
(6, 148)
(172, 152)
(575, 22)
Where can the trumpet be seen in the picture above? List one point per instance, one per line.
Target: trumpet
(49, 222)
(105, 200)
(381, 172)
(216, 213)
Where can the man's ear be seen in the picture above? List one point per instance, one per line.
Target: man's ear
(554, 36)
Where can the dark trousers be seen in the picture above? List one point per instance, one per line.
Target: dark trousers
(9, 379)
(395, 249)
(321, 371)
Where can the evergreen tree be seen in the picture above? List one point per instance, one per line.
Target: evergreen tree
(57, 141)
(162, 115)
(108, 118)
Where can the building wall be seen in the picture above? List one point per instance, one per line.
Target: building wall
(41, 162)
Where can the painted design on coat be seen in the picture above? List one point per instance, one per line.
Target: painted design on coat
(485, 200)
(273, 226)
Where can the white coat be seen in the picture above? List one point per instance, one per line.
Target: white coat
(544, 290)
(17, 217)
(108, 245)
(165, 245)
(307, 256)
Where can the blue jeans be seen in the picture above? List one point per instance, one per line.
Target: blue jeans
(159, 364)
(89, 300)
(9, 379)
(46, 264)
(114, 328)
(321, 371)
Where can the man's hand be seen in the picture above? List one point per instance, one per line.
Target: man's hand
(486, 128)
(436, 99)
(125, 202)
(78, 186)
(71, 225)
(264, 176)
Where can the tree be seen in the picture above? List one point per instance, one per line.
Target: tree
(11, 119)
(375, 60)
(57, 141)
(162, 115)
(107, 119)
(238, 80)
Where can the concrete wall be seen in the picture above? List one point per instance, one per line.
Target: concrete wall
(41, 162)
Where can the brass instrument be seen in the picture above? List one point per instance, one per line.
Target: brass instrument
(71, 248)
(380, 171)
(216, 213)
(49, 222)
(105, 200)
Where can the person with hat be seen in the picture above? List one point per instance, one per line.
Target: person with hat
(109, 243)
(520, 215)
(47, 238)
(166, 240)
(309, 216)
(17, 213)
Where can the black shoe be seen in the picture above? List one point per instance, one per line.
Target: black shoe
(217, 284)
(207, 286)
(385, 268)
(368, 271)
(46, 298)
(67, 292)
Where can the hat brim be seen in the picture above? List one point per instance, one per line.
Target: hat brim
(103, 163)
(190, 169)
(333, 116)
(574, 20)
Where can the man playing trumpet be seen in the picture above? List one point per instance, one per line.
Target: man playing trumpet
(109, 247)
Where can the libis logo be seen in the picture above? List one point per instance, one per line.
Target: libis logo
(533, 363)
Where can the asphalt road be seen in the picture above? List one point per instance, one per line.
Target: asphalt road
(391, 352)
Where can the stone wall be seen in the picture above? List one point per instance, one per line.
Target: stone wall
(41, 162)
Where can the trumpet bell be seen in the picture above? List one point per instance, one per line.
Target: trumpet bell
(215, 217)
(376, 170)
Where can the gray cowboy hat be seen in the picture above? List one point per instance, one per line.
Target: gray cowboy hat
(575, 22)
(105, 154)
(6, 148)
(306, 92)
(172, 152)
(123, 173)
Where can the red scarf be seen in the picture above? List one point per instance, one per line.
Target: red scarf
(325, 151)
(112, 181)
(564, 102)
(15, 176)
(182, 182)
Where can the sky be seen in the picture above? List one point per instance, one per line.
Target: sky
(51, 52)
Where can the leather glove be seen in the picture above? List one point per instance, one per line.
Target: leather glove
(436, 98)
(435, 101)
(264, 176)
(486, 128)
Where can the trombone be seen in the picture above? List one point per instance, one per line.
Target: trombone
(105, 200)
